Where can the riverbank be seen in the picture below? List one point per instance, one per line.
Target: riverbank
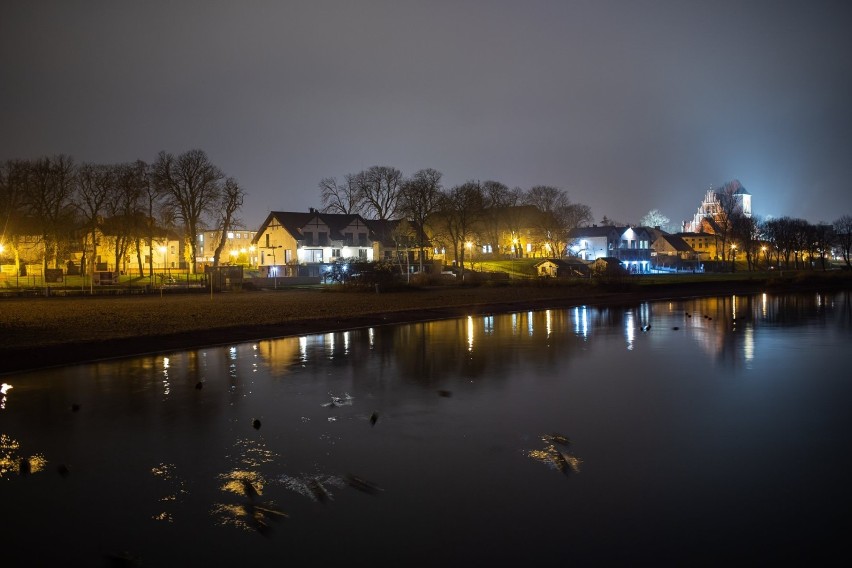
(41, 332)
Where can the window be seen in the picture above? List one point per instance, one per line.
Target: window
(309, 238)
(314, 255)
(347, 237)
(288, 256)
(335, 252)
(362, 239)
(230, 235)
(267, 241)
(323, 238)
(362, 254)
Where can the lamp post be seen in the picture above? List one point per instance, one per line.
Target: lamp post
(733, 257)
(765, 255)
(165, 252)
(274, 267)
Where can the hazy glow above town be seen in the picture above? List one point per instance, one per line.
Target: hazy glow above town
(627, 106)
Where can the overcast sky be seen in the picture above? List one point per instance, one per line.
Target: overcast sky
(628, 105)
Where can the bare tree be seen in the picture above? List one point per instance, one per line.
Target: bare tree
(557, 216)
(191, 185)
(14, 181)
(49, 202)
(823, 238)
(127, 210)
(726, 218)
(461, 210)
(93, 187)
(843, 235)
(230, 202)
(514, 217)
(345, 197)
(655, 218)
(151, 204)
(380, 187)
(418, 200)
(746, 231)
(496, 199)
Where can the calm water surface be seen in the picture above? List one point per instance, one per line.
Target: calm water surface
(573, 436)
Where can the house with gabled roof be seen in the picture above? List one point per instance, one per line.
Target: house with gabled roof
(287, 239)
(562, 268)
(630, 245)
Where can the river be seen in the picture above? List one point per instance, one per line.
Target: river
(701, 431)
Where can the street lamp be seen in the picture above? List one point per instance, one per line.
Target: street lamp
(274, 267)
(733, 257)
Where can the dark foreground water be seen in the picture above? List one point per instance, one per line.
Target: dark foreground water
(568, 436)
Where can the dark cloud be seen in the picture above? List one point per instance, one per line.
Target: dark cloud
(628, 105)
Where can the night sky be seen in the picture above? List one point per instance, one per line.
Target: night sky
(628, 105)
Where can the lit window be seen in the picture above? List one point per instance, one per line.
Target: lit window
(230, 235)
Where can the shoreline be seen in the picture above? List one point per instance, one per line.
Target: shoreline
(107, 329)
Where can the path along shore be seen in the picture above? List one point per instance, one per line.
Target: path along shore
(44, 332)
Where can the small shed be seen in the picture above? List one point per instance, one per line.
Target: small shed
(608, 266)
(562, 268)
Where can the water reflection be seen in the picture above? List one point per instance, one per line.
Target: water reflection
(457, 400)
(723, 326)
(246, 484)
(15, 462)
(175, 489)
(4, 388)
(556, 454)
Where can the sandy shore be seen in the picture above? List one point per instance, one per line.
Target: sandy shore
(40, 332)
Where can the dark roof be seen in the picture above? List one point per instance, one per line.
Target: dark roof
(694, 235)
(294, 221)
(677, 243)
(382, 230)
(594, 231)
(564, 262)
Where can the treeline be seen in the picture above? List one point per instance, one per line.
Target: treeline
(784, 241)
(475, 213)
(65, 206)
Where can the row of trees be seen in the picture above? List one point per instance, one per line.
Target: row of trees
(472, 212)
(784, 241)
(67, 205)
